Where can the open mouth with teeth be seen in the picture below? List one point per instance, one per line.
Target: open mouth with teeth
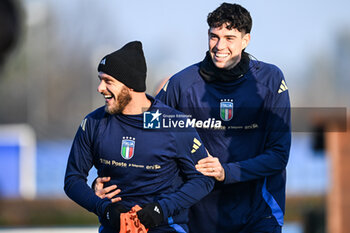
(108, 97)
(221, 55)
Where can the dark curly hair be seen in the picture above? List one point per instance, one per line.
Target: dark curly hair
(234, 15)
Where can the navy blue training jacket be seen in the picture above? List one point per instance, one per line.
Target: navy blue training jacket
(252, 144)
(148, 165)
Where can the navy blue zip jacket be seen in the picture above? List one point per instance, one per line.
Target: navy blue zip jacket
(148, 165)
(252, 143)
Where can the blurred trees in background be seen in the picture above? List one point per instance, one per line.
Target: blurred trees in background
(49, 80)
(10, 23)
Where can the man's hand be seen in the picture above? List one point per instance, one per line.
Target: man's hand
(108, 192)
(151, 215)
(211, 166)
(111, 217)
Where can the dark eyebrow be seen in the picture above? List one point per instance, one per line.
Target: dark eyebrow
(226, 36)
(230, 36)
(104, 78)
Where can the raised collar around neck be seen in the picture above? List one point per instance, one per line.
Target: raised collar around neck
(211, 73)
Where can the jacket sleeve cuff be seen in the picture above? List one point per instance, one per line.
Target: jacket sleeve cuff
(232, 173)
(102, 206)
(164, 209)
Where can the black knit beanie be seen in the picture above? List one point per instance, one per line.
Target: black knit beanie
(127, 65)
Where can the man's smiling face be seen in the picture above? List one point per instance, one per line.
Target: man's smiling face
(116, 94)
(226, 45)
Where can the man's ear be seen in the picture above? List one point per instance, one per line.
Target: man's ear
(245, 40)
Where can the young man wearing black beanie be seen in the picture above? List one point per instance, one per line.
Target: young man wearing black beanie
(154, 168)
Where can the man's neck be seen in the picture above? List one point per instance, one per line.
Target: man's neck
(234, 64)
(139, 103)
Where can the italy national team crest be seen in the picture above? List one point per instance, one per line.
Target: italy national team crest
(226, 109)
(128, 147)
